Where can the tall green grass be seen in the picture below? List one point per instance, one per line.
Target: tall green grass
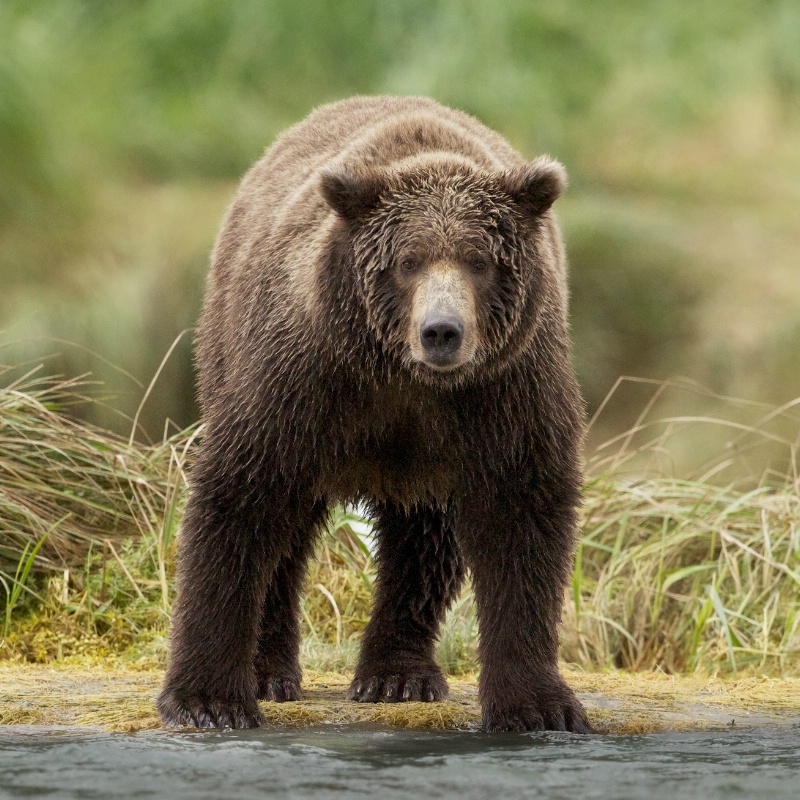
(87, 519)
(67, 484)
(678, 573)
(686, 568)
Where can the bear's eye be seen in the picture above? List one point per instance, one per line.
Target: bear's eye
(409, 264)
(478, 264)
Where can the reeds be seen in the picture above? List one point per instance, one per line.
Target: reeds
(698, 571)
(63, 483)
(686, 573)
(679, 575)
(87, 519)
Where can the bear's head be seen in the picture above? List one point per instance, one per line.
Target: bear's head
(453, 263)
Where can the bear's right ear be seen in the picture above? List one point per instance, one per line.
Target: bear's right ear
(351, 194)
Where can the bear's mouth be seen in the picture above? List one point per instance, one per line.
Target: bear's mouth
(442, 332)
(442, 362)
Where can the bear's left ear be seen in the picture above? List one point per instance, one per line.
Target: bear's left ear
(536, 186)
(351, 194)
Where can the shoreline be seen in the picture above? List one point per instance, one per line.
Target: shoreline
(117, 698)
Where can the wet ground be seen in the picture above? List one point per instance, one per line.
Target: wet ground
(364, 761)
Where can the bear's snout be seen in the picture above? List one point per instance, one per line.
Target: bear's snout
(443, 333)
(441, 336)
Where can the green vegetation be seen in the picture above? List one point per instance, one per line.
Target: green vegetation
(123, 130)
(124, 127)
(671, 574)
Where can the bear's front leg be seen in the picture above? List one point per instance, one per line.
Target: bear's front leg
(419, 574)
(234, 533)
(519, 545)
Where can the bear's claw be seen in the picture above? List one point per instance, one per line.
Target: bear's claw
(279, 690)
(396, 688)
(196, 712)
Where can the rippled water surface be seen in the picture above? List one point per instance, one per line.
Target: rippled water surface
(356, 762)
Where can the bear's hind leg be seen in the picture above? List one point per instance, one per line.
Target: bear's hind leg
(278, 671)
(419, 574)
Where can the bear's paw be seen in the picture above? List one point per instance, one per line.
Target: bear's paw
(180, 711)
(548, 711)
(427, 687)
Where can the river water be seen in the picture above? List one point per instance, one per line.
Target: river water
(343, 762)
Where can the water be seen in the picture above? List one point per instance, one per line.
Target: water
(330, 762)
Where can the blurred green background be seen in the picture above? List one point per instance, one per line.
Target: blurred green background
(124, 127)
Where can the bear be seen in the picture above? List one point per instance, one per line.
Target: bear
(385, 323)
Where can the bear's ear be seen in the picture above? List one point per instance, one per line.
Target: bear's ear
(352, 194)
(536, 186)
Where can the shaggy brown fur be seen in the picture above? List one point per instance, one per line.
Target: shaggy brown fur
(384, 322)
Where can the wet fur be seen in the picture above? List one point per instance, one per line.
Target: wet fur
(310, 397)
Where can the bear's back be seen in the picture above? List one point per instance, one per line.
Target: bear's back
(359, 132)
(379, 131)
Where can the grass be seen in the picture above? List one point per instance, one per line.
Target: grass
(701, 573)
(87, 522)
(676, 574)
(680, 575)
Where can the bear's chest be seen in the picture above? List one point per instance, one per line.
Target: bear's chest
(405, 457)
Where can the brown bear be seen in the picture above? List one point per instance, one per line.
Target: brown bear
(385, 323)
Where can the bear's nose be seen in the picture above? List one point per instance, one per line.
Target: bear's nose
(441, 334)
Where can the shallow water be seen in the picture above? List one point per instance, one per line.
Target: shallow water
(330, 762)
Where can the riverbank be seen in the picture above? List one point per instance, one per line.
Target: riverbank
(123, 699)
